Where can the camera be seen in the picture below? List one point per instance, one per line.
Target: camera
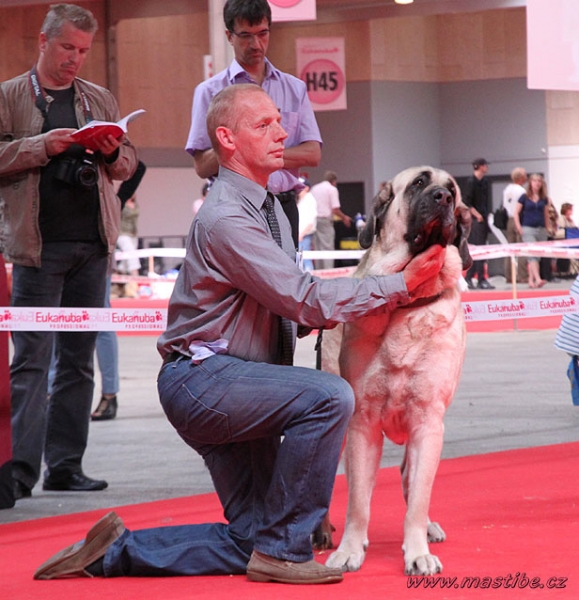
(80, 171)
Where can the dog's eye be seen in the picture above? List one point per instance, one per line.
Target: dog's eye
(419, 182)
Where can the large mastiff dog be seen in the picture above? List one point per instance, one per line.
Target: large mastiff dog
(404, 366)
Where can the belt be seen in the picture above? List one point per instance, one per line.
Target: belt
(172, 357)
(287, 196)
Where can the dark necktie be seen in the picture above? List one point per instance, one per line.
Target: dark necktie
(286, 335)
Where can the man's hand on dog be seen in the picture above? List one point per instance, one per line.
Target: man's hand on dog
(421, 272)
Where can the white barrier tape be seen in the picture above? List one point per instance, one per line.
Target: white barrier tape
(521, 308)
(553, 249)
(540, 249)
(559, 248)
(169, 280)
(155, 319)
(180, 253)
(24, 318)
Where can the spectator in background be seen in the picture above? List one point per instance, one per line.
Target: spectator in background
(107, 345)
(511, 195)
(566, 219)
(247, 27)
(107, 352)
(532, 220)
(308, 214)
(63, 230)
(329, 208)
(197, 203)
(565, 223)
(477, 197)
(547, 264)
(128, 238)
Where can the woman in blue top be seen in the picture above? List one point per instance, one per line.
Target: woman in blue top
(532, 221)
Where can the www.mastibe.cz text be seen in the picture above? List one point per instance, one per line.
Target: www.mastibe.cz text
(510, 581)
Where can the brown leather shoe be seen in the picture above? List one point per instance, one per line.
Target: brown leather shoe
(266, 568)
(72, 561)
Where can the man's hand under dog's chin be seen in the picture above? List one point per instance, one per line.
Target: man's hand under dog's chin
(421, 273)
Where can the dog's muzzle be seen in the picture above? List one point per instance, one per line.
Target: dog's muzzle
(432, 220)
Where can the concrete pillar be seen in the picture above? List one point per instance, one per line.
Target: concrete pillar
(221, 51)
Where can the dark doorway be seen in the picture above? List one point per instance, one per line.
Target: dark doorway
(352, 202)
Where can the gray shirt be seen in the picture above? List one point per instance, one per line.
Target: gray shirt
(236, 281)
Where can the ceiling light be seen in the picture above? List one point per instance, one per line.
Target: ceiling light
(404, 1)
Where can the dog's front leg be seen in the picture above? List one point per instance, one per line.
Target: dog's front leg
(419, 468)
(362, 460)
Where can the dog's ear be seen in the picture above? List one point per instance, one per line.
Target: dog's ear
(380, 205)
(366, 236)
(463, 223)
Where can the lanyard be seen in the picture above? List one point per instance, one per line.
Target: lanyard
(42, 103)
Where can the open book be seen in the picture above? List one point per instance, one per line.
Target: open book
(85, 135)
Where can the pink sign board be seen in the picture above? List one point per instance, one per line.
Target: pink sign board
(321, 66)
(293, 10)
(553, 44)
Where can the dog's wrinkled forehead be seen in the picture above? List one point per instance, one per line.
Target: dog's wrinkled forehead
(416, 180)
(410, 195)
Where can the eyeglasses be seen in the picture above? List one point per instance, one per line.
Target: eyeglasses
(245, 36)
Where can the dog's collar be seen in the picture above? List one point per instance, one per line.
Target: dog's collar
(421, 302)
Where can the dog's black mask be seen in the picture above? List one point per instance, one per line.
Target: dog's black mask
(433, 217)
(431, 213)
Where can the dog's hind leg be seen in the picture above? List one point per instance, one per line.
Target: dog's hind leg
(322, 536)
(362, 456)
(418, 472)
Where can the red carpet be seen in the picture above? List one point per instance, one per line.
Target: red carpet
(510, 516)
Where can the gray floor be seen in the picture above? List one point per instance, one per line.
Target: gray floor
(513, 394)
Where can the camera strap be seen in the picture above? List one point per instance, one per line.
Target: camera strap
(40, 97)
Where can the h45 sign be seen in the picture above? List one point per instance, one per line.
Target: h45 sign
(321, 66)
(293, 10)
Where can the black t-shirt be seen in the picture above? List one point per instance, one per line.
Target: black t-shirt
(477, 194)
(68, 211)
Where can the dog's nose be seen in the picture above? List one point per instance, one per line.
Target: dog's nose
(442, 196)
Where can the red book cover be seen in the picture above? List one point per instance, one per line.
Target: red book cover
(86, 135)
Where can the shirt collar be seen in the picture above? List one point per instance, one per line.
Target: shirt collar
(236, 72)
(254, 193)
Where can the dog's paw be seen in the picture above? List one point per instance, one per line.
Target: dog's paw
(347, 561)
(435, 533)
(427, 564)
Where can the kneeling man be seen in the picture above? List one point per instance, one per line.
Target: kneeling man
(270, 433)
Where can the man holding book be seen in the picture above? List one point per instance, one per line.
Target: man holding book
(63, 217)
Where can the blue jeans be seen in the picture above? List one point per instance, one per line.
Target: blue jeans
(107, 351)
(274, 493)
(306, 245)
(72, 275)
